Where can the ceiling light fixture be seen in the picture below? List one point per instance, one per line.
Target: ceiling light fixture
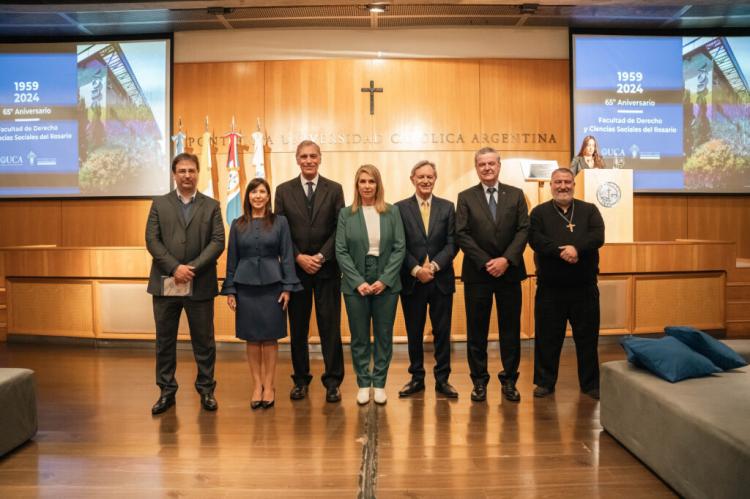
(377, 8)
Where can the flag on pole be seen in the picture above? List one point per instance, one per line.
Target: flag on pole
(206, 176)
(234, 203)
(179, 141)
(258, 156)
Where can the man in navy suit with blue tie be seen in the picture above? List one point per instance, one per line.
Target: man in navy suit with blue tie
(492, 226)
(427, 278)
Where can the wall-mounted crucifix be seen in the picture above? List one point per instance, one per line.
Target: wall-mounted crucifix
(372, 91)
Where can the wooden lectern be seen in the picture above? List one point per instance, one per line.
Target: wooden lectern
(612, 192)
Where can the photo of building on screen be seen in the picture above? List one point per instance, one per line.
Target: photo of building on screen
(122, 136)
(716, 108)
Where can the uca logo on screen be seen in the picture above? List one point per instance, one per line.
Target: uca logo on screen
(11, 160)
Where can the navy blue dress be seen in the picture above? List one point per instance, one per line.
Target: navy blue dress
(260, 265)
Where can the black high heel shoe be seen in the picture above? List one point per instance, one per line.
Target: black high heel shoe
(257, 404)
(267, 404)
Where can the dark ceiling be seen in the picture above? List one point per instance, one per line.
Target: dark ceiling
(66, 18)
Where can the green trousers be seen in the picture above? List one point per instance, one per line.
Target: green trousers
(380, 311)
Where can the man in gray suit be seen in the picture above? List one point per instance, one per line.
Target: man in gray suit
(185, 236)
(427, 278)
(492, 225)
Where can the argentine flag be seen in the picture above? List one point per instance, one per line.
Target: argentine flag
(234, 203)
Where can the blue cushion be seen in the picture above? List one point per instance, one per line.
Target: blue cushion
(716, 351)
(668, 358)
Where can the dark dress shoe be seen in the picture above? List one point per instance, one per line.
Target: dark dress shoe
(161, 405)
(256, 404)
(509, 391)
(446, 389)
(594, 393)
(298, 392)
(209, 402)
(479, 393)
(543, 391)
(333, 394)
(411, 388)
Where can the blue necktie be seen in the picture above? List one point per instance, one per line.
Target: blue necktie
(493, 203)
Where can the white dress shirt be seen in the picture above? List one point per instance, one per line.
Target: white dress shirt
(487, 194)
(372, 221)
(305, 181)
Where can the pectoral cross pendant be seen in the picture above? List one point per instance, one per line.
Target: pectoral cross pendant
(570, 226)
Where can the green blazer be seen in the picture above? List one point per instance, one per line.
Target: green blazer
(352, 245)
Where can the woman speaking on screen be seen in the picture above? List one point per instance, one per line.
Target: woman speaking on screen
(588, 156)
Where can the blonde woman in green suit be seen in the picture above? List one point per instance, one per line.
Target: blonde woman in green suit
(370, 247)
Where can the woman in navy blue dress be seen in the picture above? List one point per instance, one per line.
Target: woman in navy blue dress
(260, 276)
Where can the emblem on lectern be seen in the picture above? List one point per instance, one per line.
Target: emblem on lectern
(608, 194)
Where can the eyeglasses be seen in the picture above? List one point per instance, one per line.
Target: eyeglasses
(185, 173)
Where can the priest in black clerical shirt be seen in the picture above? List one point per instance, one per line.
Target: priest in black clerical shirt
(566, 234)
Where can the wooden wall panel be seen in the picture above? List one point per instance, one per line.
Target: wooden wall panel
(679, 300)
(724, 218)
(737, 311)
(683, 257)
(734, 292)
(51, 308)
(526, 96)
(218, 90)
(659, 218)
(618, 258)
(121, 262)
(306, 98)
(110, 222)
(26, 223)
(48, 263)
(427, 105)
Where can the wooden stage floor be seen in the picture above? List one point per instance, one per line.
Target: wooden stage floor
(97, 437)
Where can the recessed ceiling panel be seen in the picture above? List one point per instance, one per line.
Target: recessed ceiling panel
(142, 16)
(307, 23)
(138, 28)
(297, 12)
